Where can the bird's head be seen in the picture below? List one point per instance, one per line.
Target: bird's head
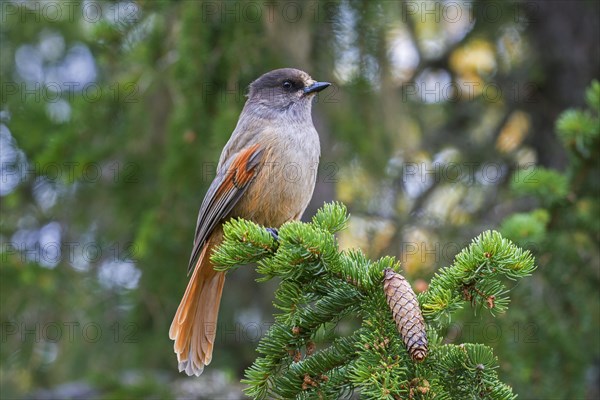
(285, 89)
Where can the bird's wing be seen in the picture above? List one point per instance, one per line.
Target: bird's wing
(224, 192)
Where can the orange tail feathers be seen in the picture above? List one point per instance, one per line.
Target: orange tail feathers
(195, 324)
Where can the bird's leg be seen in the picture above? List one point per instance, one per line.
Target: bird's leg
(274, 233)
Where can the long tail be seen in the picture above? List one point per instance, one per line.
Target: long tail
(195, 324)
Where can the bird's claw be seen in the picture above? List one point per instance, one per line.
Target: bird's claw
(274, 233)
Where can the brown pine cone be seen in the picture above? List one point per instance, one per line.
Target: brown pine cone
(407, 314)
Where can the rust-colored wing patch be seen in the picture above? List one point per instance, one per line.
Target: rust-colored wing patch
(241, 171)
(229, 185)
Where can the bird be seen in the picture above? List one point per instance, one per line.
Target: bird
(266, 174)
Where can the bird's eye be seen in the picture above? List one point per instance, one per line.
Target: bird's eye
(287, 85)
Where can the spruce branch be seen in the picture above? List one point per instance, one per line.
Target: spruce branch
(321, 286)
(476, 276)
(579, 130)
(247, 243)
(467, 371)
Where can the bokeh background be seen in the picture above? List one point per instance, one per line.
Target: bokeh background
(112, 118)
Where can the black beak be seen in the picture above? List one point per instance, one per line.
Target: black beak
(316, 87)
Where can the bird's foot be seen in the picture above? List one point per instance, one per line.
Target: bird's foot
(274, 233)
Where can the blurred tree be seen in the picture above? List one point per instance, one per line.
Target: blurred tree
(564, 232)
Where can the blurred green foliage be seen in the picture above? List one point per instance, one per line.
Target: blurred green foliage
(113, 115)
(565, 236)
